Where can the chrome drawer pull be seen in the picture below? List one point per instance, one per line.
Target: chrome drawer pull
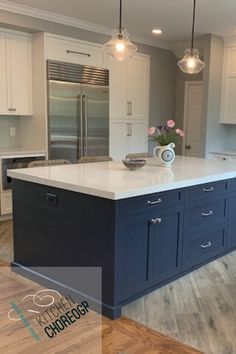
(79, 53)
(208, 214)
(156, 221)
(159, 200)
(209, 244)
(209, 189)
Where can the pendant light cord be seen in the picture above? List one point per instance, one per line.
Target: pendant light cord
(193, 24)
(120, 18)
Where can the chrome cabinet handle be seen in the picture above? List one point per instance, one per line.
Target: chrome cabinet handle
(131, 131)
(208, 214)
(150, 202)
(156, 221)
(209, 244)
(79, 53)
(211, 189)
(131, 109)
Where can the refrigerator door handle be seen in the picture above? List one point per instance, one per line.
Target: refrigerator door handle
(86, 124)
(81, 127)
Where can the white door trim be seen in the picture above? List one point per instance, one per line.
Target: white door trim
(186, 87)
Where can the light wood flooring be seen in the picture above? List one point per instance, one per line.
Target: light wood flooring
(94, 335)
(198, 309)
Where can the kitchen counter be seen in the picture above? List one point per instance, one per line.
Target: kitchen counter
(17, 152)
(112, 180)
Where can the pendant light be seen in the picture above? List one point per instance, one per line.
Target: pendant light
(191, 63)
(119, 46)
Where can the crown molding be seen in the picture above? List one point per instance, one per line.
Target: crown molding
(72, 22)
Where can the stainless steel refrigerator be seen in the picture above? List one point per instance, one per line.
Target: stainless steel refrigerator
(78, 111)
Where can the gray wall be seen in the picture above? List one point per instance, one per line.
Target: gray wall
(162, 62)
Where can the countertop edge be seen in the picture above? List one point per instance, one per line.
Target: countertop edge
(122, 195)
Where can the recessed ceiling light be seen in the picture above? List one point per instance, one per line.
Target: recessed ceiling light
(157, 31)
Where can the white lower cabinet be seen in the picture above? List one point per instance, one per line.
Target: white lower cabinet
(6, 202)
(127, 137)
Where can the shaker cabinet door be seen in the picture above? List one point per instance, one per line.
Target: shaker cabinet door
(133, 258)
(3, 73)
(20, 74)
(166, 239)
(231, 239)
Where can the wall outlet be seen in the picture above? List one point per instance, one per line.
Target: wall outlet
(12, 131)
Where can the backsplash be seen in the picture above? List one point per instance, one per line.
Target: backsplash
(7, 141)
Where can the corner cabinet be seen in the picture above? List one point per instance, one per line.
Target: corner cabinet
(228, 102)
(129, 105)
(16, 74)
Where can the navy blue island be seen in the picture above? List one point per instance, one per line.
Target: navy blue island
(145, 228)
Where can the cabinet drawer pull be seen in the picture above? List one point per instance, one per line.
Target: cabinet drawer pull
(12, 109)
(149, 202)
(208, 214)
(79, 53)
(211, 189)
(209, 244)
(156, 221)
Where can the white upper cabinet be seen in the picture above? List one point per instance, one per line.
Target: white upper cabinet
(19, 49)
(3, 73)
(74, 51)
(138, 87)
(16, 74)
(228, 102)
(129, 87)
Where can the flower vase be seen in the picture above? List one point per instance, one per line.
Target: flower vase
(165, 154)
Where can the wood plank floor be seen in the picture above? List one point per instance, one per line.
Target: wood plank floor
(94, 335)
(198, 309)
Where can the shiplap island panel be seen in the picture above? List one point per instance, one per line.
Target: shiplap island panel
(144, 228)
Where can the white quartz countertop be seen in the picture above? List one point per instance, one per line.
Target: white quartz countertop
(112, 180)
(224, 152)
(14, 152)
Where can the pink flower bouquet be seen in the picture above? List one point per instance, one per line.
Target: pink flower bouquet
(165, 134)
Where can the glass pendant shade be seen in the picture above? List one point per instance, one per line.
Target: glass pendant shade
(191, 63)
(119, 46)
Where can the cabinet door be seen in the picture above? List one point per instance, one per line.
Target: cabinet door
(119, 132)
(118, 100)
(73, 51)
(165, 231)
(138, 137)
(138, 87)
(19, 52)
(133, 258)
(3, 73)
(231, 237)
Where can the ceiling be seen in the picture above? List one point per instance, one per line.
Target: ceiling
(139, 17)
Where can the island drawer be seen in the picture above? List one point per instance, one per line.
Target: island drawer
(198, 214)
(202, 247)
(148, 202)
(205, 191)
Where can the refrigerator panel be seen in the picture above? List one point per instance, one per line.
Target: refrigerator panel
(64, 111)
(96, 120)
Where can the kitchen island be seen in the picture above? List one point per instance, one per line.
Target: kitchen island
(145, 228)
